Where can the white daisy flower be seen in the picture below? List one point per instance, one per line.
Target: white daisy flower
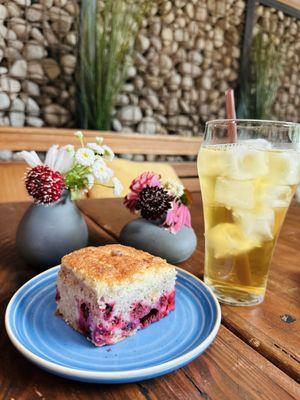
(97, 149)
(102, 173)
(118, 187)
(85, 156)
(174, 187)
(78, 134)
(99, 140)
(90, 180)
(108, 153)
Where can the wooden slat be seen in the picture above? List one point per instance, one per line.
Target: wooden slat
(228, 370)
(261, 327)
(41, 139)
(192, 184)
(186, 169)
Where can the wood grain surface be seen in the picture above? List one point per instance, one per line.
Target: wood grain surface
(230, 369)
(262, 327)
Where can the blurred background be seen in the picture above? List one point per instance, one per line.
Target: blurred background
(161, 70)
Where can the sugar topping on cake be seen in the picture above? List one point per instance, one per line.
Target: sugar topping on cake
(113, 264)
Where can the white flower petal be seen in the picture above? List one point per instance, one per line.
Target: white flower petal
(65, 159)
(118, 187)
(51, 156)
(108, 153)
(31, 158)
(90, 181)
(96, 148)
(85, 157)
(102, 173)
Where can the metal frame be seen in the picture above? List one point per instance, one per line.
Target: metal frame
(248, 31)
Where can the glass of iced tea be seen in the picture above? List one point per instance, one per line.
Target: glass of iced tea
(248, 173)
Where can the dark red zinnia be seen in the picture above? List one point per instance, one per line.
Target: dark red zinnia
(44, 184)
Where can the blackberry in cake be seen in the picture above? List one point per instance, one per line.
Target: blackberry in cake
(110, 292)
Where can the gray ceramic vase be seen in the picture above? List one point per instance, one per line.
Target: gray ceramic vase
(47, 233)
(151, 237)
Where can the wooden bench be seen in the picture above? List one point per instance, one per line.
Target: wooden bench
(40, 139)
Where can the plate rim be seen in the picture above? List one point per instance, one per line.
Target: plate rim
(119, 375)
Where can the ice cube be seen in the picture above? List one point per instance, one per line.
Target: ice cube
(212, 161)
(275, 196)
(247, 163)
(257, 224)
(229, 240)
(234, 194)
(284, 167)
(261, 144)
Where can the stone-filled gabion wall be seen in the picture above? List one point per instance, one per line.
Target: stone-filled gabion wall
(187, 56)
(286, 31)
(37, 58)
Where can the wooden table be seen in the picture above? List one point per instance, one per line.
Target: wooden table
(256, 354)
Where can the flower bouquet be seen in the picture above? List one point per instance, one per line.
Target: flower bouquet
(164, 228)
(53, 225)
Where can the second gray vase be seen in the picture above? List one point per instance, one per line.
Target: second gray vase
(148, 236)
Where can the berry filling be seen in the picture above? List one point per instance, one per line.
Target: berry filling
(57, 295)
(152, 316)
(111, 324)
(108, 311)
(84, 313)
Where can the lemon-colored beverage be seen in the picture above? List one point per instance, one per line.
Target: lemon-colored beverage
(246, 190)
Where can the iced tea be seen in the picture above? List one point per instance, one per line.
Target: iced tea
(246, 190)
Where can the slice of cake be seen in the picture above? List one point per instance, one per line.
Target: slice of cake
(107, 293)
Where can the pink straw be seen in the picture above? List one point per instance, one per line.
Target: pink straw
(231, 114)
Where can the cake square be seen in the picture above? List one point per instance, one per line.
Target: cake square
(109, 292)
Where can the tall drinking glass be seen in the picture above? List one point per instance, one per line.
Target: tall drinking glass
(248, 174)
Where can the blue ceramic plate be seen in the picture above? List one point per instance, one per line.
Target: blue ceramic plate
(161, 348)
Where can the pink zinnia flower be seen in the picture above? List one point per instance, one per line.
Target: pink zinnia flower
(131, 200)
(146, 179)
(177, 216)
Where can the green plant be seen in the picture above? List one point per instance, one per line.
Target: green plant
(261, 82)
(107, 32)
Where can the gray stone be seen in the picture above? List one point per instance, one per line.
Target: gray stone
(130, 114)
(142, 43)
(37, 35)
(16, 118)
(3, 12)
(116, 125)
(17, 105)
(187, 68)
(31, 88)
(122, 100)
(148, 126)
(51, 68)
(4, 101)
(32, 107)
(9, 85)
(6, 155)
(34, 121)
(33, 51)
(34, 13)
(56, 115)
(35, 70)
(68, 62)
(18, 69)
